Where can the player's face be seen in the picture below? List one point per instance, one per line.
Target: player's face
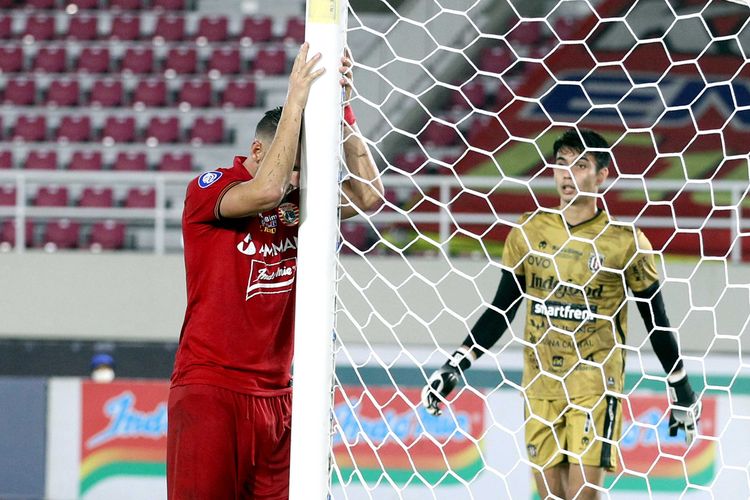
(576, 174)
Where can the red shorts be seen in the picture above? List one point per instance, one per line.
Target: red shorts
(226, 445)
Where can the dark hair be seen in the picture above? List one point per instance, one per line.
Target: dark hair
(580, 140)
(269, 123)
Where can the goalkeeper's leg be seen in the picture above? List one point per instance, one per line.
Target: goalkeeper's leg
(580, 480)
(552, 483)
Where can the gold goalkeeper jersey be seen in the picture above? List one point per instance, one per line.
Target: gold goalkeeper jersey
(576, 309)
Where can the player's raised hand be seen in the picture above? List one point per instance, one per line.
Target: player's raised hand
(685, 409)
(443, 380)
(302, 76)
(347, 78)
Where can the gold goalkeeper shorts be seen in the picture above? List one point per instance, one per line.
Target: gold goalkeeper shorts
(582, 431)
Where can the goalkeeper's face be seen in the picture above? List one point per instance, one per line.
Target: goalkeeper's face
(577, 173)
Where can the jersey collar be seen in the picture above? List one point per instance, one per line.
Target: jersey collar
(599, 213)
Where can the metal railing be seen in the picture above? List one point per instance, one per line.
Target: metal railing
(171, 187)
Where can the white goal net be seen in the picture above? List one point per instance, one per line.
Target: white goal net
(460, 103)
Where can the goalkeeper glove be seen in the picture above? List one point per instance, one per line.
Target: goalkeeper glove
(444, 380)
(685, 409)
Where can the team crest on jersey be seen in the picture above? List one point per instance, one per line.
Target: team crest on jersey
(289, 214)
(208, 178)
(595, 262)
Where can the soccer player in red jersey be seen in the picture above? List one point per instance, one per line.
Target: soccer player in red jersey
(230, 398)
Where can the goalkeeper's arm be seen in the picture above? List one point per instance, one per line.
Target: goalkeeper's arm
(487, 330)
(684, 404)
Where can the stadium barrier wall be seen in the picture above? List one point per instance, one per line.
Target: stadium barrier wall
(129, 296)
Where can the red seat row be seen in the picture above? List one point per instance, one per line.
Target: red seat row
(66, 234)
(150, 92)
(165, 5)
(93, 161)
(269, 60)
(160, 129)
(169, 28)
(99, 197)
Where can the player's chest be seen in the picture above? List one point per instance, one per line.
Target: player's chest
(270, 235)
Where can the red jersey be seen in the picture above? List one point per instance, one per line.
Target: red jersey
(241, 280)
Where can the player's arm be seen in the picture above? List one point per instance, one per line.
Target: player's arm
(268, 187)
(643, 281)
(362, 189)
(491, 325)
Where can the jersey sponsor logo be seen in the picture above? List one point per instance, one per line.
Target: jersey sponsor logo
(537, 261)
(289, 214)
(247, 246)
(271, 278)
(551, 283)
(567, 312)
(269, 222)
(208, 178)
(275, 249)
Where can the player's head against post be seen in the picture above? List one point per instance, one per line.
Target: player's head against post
(582, 164)
(265, 131)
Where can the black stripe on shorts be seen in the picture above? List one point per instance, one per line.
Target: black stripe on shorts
(609, 430)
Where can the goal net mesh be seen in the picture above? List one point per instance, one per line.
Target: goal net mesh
(460, 104)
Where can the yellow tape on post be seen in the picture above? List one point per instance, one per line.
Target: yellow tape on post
(323, 11)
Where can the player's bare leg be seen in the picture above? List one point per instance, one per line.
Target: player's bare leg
(552, 483)
(580, 477)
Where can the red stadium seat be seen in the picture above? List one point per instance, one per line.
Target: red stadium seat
(84, 4)
(162, 129)
(295, 30)
(170, 28)
(8, 233)
(63, 92)
(97, 197)
(169, 5)
(11, 59)
(40, 4)
(39, 28)
(195, 94)
(353, 235)
(207, 130)
(6, 160)
(410, 161)
(41, 160)
(107, 235)
(61, 234)
(6, 27)
(125, 4)
(239, 94)
(51, 196)
(130, 160)
(213, 29)
(181, 60)
(257, 29)
(30, 128)
(20, 92)
(439, 134)
(138, 60)
(270, 61)
(224, 61)
(86, 160)
(126, 28)
(143, 197)
(107, 93)
(51, 60)
(151, 93)
(176, 162)
(76, 128)
(474, 92)
(94, 60)
(7, 195)
(83, 27)
(495, 59)
(118, 129)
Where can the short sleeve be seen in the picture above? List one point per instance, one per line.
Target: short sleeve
(641, 272)
(515, 250)
(204, 195)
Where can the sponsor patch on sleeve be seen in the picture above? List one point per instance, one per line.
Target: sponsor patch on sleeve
(208, 178)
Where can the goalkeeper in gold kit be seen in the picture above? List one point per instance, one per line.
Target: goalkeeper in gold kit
(572, 267)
